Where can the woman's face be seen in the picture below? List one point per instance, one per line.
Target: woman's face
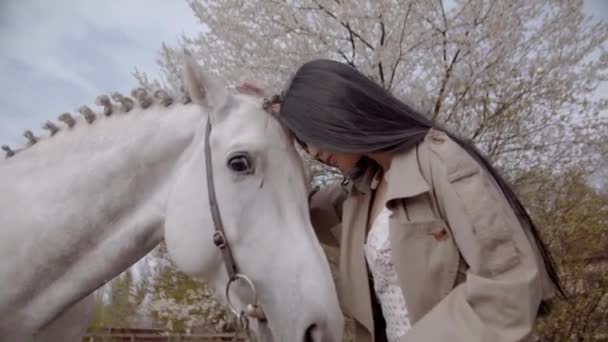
(340, 160)
(343, 161)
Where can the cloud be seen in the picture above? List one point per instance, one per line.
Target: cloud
(58, 55)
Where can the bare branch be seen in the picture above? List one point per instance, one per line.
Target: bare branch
(346, 25)
(382, 36)
(444, 82)
(400, 56)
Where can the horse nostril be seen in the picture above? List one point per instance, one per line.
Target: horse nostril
(311, 333)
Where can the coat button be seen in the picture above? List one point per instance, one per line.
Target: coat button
(440, 234)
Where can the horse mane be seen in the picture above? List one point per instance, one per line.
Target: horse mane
(115, 103)
(140, 97)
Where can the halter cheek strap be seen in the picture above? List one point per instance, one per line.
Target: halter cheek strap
(252, 310)
(219, 235)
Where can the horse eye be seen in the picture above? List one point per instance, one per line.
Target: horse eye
(240, 163)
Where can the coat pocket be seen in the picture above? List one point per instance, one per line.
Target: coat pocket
(426, 261)
(435, 228)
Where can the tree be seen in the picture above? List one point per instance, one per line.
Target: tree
(161, 295)
(182, 304)
(117, 303)
(575, 222)
(514, 76)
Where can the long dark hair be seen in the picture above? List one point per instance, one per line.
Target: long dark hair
(335, 107)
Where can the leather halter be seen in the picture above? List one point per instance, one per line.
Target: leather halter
(219, 235)
(252, 310)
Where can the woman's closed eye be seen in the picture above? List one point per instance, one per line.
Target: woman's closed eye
(303, 145)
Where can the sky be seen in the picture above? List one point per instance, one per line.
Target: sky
(60, 54)
(56, 55)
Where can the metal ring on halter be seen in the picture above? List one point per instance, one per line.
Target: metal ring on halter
(252, 310)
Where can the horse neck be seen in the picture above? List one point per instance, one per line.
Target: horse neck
(79, 208)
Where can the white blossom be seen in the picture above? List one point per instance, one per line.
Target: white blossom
(517, 77)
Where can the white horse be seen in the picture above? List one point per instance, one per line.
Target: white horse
(79, 207)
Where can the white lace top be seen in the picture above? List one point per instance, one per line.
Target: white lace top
(386, 283)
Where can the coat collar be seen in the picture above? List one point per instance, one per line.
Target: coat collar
(363, 184)
(404, 178)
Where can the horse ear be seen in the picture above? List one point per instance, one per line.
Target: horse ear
(203, 88)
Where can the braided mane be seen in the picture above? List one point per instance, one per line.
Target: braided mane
(116, 103)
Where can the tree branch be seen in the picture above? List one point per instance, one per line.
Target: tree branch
(382, 36)
(446, 78)
(400, 57)
(346, 25)
(352, 44)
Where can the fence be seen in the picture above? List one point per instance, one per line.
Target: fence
(154, 335)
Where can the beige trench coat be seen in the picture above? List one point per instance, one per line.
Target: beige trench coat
(468, 270)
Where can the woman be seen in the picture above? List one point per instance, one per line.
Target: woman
(450, 252)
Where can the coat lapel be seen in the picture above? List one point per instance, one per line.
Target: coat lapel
(353, 267)
(404, 178)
